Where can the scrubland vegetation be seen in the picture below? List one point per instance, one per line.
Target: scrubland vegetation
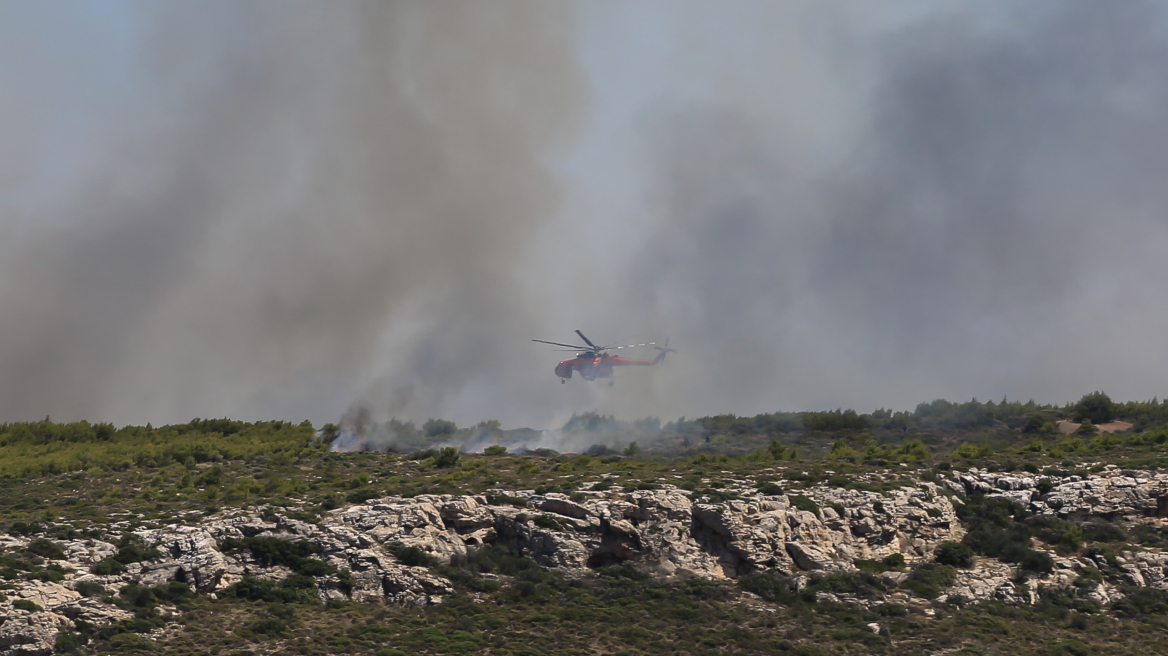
(88, 479)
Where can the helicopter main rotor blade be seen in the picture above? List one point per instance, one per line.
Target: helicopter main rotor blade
(586, 340)
(571, 346)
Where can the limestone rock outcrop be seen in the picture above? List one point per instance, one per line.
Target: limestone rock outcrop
(666, 532)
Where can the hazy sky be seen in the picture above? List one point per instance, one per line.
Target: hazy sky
(285, 209)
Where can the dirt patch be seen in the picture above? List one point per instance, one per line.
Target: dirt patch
(1070, 427)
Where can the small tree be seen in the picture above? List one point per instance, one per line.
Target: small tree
(329, 433)
(1096, 406)
(1040, 423)
(632, 449)
(776, 450)
(954, 553)
(446, 458)
(437, 427)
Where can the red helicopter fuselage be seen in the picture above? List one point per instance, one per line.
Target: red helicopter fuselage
(594, 362)
(592, 366)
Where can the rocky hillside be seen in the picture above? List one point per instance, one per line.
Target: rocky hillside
(386, 549)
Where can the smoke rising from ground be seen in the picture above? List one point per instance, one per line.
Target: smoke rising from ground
(298, 209)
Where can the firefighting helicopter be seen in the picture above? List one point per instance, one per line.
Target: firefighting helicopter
(594, 361)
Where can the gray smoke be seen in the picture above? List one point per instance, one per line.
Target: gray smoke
(288, 203)
(305, 209)
(992, 230)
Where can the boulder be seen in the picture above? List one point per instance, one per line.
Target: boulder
(29, 634)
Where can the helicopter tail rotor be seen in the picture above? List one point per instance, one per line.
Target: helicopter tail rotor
(664, 349)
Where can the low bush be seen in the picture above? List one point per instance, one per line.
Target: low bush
(89, 589)
(858, 584)
(270, 626)
(894, 561)
(771, 586)
(805, 503)
(505, 500)
(287, 553)
(68, 642)
(296, 589)
(107, 567)
(770, 488)
(46, 548)
(411, 556)
(25, 604)
(1142, 601)
(954, 553)
(929, 580)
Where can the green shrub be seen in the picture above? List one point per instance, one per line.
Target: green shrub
(270, 626)
(518, 502)
(770, 489)
(954, 553)
(1040, 423)
(1142, 601)
(68, 642)
(1096, 407)
(107, 567)
(296, 589)
(860, 584)
(859, 636)
(1053, 530)
(892, 610)
(770, 585)
(446, 458)
(624, 571)
(411, 556)
(293, 554)
(805, 503)
(1036, 561)
(130, 550)
(25, 604)
(495, 450)
(894, 561)
(24, 529)
(1101, 530)
(927, 581)
(1088, 577)
(1103, 550)
(547, 521)
(89, 588)
(46, 548)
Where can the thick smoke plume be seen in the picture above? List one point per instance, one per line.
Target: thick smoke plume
(286, 205)
(300, 209)
(991, 227)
